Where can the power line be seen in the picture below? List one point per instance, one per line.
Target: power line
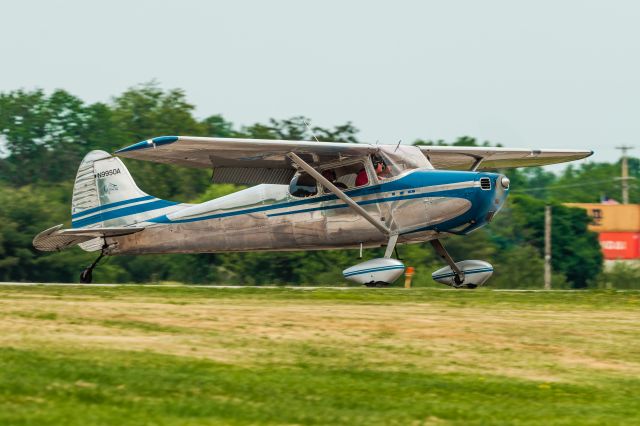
(594, 182)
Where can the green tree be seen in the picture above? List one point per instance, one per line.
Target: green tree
(147, 111)
(461, 141)
(576, 250)
(44, 135)
(295, 129)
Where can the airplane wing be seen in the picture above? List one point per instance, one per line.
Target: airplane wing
(254, 161)
(56, 239)
(488, 158)
(242, 160)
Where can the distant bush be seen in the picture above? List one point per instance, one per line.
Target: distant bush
(523, 267)
(621, 275)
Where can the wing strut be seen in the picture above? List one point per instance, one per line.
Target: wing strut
(393, 239)
(476, 163)
(344, 197)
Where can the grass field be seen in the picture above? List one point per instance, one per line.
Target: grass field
(192, 356)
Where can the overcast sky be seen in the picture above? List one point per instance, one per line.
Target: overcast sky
(541, 74)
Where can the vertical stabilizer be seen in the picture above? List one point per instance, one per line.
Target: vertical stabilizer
(105, 195)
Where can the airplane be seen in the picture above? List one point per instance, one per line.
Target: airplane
(306, 196)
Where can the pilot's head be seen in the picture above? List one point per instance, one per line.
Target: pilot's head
(379, 164)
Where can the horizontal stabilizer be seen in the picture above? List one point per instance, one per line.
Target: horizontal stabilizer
(56, 239)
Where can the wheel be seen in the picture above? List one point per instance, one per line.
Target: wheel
(86, 276)
(458, 282)
(377, 284)
(465, 287)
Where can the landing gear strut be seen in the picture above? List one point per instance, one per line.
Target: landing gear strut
(444, 255)
(86, 276)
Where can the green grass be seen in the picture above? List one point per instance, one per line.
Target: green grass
(118, 387)
(484, 296)
(192, 356)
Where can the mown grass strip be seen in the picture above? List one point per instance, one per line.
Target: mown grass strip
(597, 299)
(126, 388)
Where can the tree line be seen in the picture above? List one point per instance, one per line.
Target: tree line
(43, 137)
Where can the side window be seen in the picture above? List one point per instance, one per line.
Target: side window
(302, 185)
(347, 177)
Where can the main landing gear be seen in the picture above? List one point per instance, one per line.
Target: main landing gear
(458, 274)
(379, 272)
(86, 276)
(375, 272)
(464, 274)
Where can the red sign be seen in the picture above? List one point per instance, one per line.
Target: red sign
(620, 245)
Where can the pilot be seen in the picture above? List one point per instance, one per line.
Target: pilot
(381, 168)
(382, 171)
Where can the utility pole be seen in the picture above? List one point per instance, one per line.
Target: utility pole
(625, 173)
(547, 247)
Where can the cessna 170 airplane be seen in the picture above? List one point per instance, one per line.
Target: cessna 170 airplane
(308, 196)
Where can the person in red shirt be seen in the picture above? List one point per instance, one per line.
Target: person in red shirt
(362, 178)
(382, 171)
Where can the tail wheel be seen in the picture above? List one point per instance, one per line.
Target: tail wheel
(86, 276)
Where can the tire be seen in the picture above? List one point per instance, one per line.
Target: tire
(457, 282)
(377, 284)
(86, 276)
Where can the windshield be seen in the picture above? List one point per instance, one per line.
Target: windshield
(398, 159)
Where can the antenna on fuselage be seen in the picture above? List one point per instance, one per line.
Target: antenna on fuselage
(398, 146)
(310, 130)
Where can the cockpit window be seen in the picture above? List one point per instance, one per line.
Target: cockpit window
(401, 158)
(381, 167)
(302, 185)
(346, 177)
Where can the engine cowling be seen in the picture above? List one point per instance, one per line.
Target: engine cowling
(476, 273)
(382, 270)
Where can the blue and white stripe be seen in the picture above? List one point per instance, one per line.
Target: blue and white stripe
(117, 210)
(469, 272)
(370, 270)
(406, 188)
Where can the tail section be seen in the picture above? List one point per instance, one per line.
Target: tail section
(105, 195)
(106, 204)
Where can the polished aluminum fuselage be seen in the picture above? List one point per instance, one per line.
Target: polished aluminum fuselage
(419, 204)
